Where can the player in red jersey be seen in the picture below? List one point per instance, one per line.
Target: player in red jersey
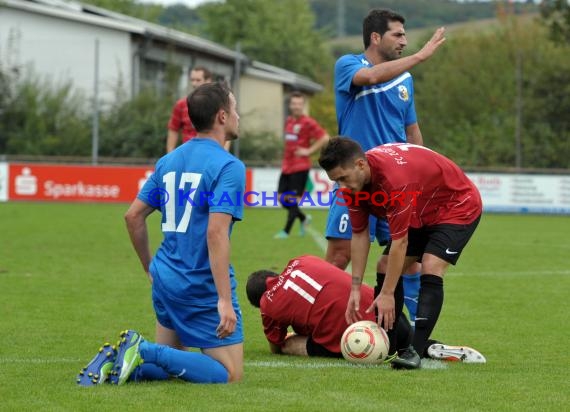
(303, 137)
(179, 119)
(310, 295)
(432, 209)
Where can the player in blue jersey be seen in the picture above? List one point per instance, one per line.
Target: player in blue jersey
(196, 188)
(375, 105)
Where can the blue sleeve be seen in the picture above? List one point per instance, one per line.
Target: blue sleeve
(344, 71)
(148, 190)
(411, 117)
(229, 189)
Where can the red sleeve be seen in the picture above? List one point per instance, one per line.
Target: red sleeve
(317, 132)
(358, 213)
(175, 122)
(274, 331)
(399, 211)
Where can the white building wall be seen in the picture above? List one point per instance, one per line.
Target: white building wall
(64, 50)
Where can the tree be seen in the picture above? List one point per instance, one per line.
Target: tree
(276, 32)
(467, 98)
(148, 12)
(556, 14)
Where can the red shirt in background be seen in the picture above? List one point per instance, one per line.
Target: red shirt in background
(180, 120)
(443, 193)
(310, 296)
(299, 133)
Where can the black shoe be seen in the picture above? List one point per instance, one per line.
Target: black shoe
(407, 359)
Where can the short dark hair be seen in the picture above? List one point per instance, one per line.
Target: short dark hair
(256, 285)
(297, 94)
(377, 21)
(208, 75)
(205, 102)
(339, 151)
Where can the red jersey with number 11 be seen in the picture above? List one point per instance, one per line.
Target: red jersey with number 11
(310, 296)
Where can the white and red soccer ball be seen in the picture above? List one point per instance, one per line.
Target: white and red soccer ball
(365, 342)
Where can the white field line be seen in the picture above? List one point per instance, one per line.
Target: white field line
(310, 364)
(538, 272)
(318, 238)
(426, 364)
(38, 360)
(321, 242)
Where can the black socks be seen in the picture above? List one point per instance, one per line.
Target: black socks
(429, 307)
(399, 301)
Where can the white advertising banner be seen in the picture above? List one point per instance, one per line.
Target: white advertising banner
(518, 193)
(265, 182)
(511, 193)
(3, 182)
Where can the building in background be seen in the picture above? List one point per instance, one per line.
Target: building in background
(62, 40)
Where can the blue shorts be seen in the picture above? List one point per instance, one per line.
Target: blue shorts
(339, 227)
(195, 324)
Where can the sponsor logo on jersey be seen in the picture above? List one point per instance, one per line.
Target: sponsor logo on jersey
(403, 93)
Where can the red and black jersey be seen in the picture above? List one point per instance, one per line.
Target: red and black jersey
(299, 133)
(310, 296)
(414, 186)
(180, 120)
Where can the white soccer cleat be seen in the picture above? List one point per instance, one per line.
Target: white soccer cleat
(455, 353)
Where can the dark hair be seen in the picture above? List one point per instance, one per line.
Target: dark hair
(207, 73)
(297, 94)
(339, 151)
(256, 286)
(205, 102)
(377, 21)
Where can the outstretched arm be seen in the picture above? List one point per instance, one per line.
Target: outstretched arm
(385, 71)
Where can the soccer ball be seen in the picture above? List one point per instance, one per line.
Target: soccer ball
(364, 342)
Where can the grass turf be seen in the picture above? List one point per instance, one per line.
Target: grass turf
(69, 281)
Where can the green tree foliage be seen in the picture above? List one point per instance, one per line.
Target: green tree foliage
(556, 14)
(466, 98)
(276, 32)
(137, 127)
(148, 12)
(418, 13)
(39, 117)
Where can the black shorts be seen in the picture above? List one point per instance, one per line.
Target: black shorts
(293, 182)
(314, 349)
(446, 241)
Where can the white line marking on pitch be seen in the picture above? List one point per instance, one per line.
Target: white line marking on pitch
(538, 272)
(38, 360)
(426, 363)
(321, 241)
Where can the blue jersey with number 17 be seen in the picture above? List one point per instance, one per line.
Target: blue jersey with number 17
(196, 179)
(372, 115)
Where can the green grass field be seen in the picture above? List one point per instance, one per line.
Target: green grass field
(69, 281)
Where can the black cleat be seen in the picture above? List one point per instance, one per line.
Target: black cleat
(407, 359)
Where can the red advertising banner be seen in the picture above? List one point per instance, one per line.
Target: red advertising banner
(62, 183)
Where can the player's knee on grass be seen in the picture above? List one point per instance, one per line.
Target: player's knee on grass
(231, 357)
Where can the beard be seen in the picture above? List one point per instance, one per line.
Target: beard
(232, 136)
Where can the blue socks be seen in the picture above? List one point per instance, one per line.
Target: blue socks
(411, 294)
(161, 362)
